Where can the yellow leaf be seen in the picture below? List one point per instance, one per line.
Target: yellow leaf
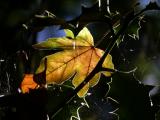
(79, 57)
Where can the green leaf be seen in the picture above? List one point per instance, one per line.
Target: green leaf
(133, 29)
(133, 97)
(69, 33)
(56, 94)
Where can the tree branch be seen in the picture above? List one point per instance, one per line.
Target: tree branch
(128, 18)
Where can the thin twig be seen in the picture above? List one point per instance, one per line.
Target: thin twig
(119, 71)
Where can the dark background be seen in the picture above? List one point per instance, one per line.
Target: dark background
(137, 93)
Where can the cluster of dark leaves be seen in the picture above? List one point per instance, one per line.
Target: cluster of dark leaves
(137, 94)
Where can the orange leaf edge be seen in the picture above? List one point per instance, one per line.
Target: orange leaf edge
(28, 83)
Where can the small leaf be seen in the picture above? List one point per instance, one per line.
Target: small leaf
(133, 29)
(28, 83)
(33, 81)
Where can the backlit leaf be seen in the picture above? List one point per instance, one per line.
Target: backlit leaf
(79, 57)
(28, 83)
